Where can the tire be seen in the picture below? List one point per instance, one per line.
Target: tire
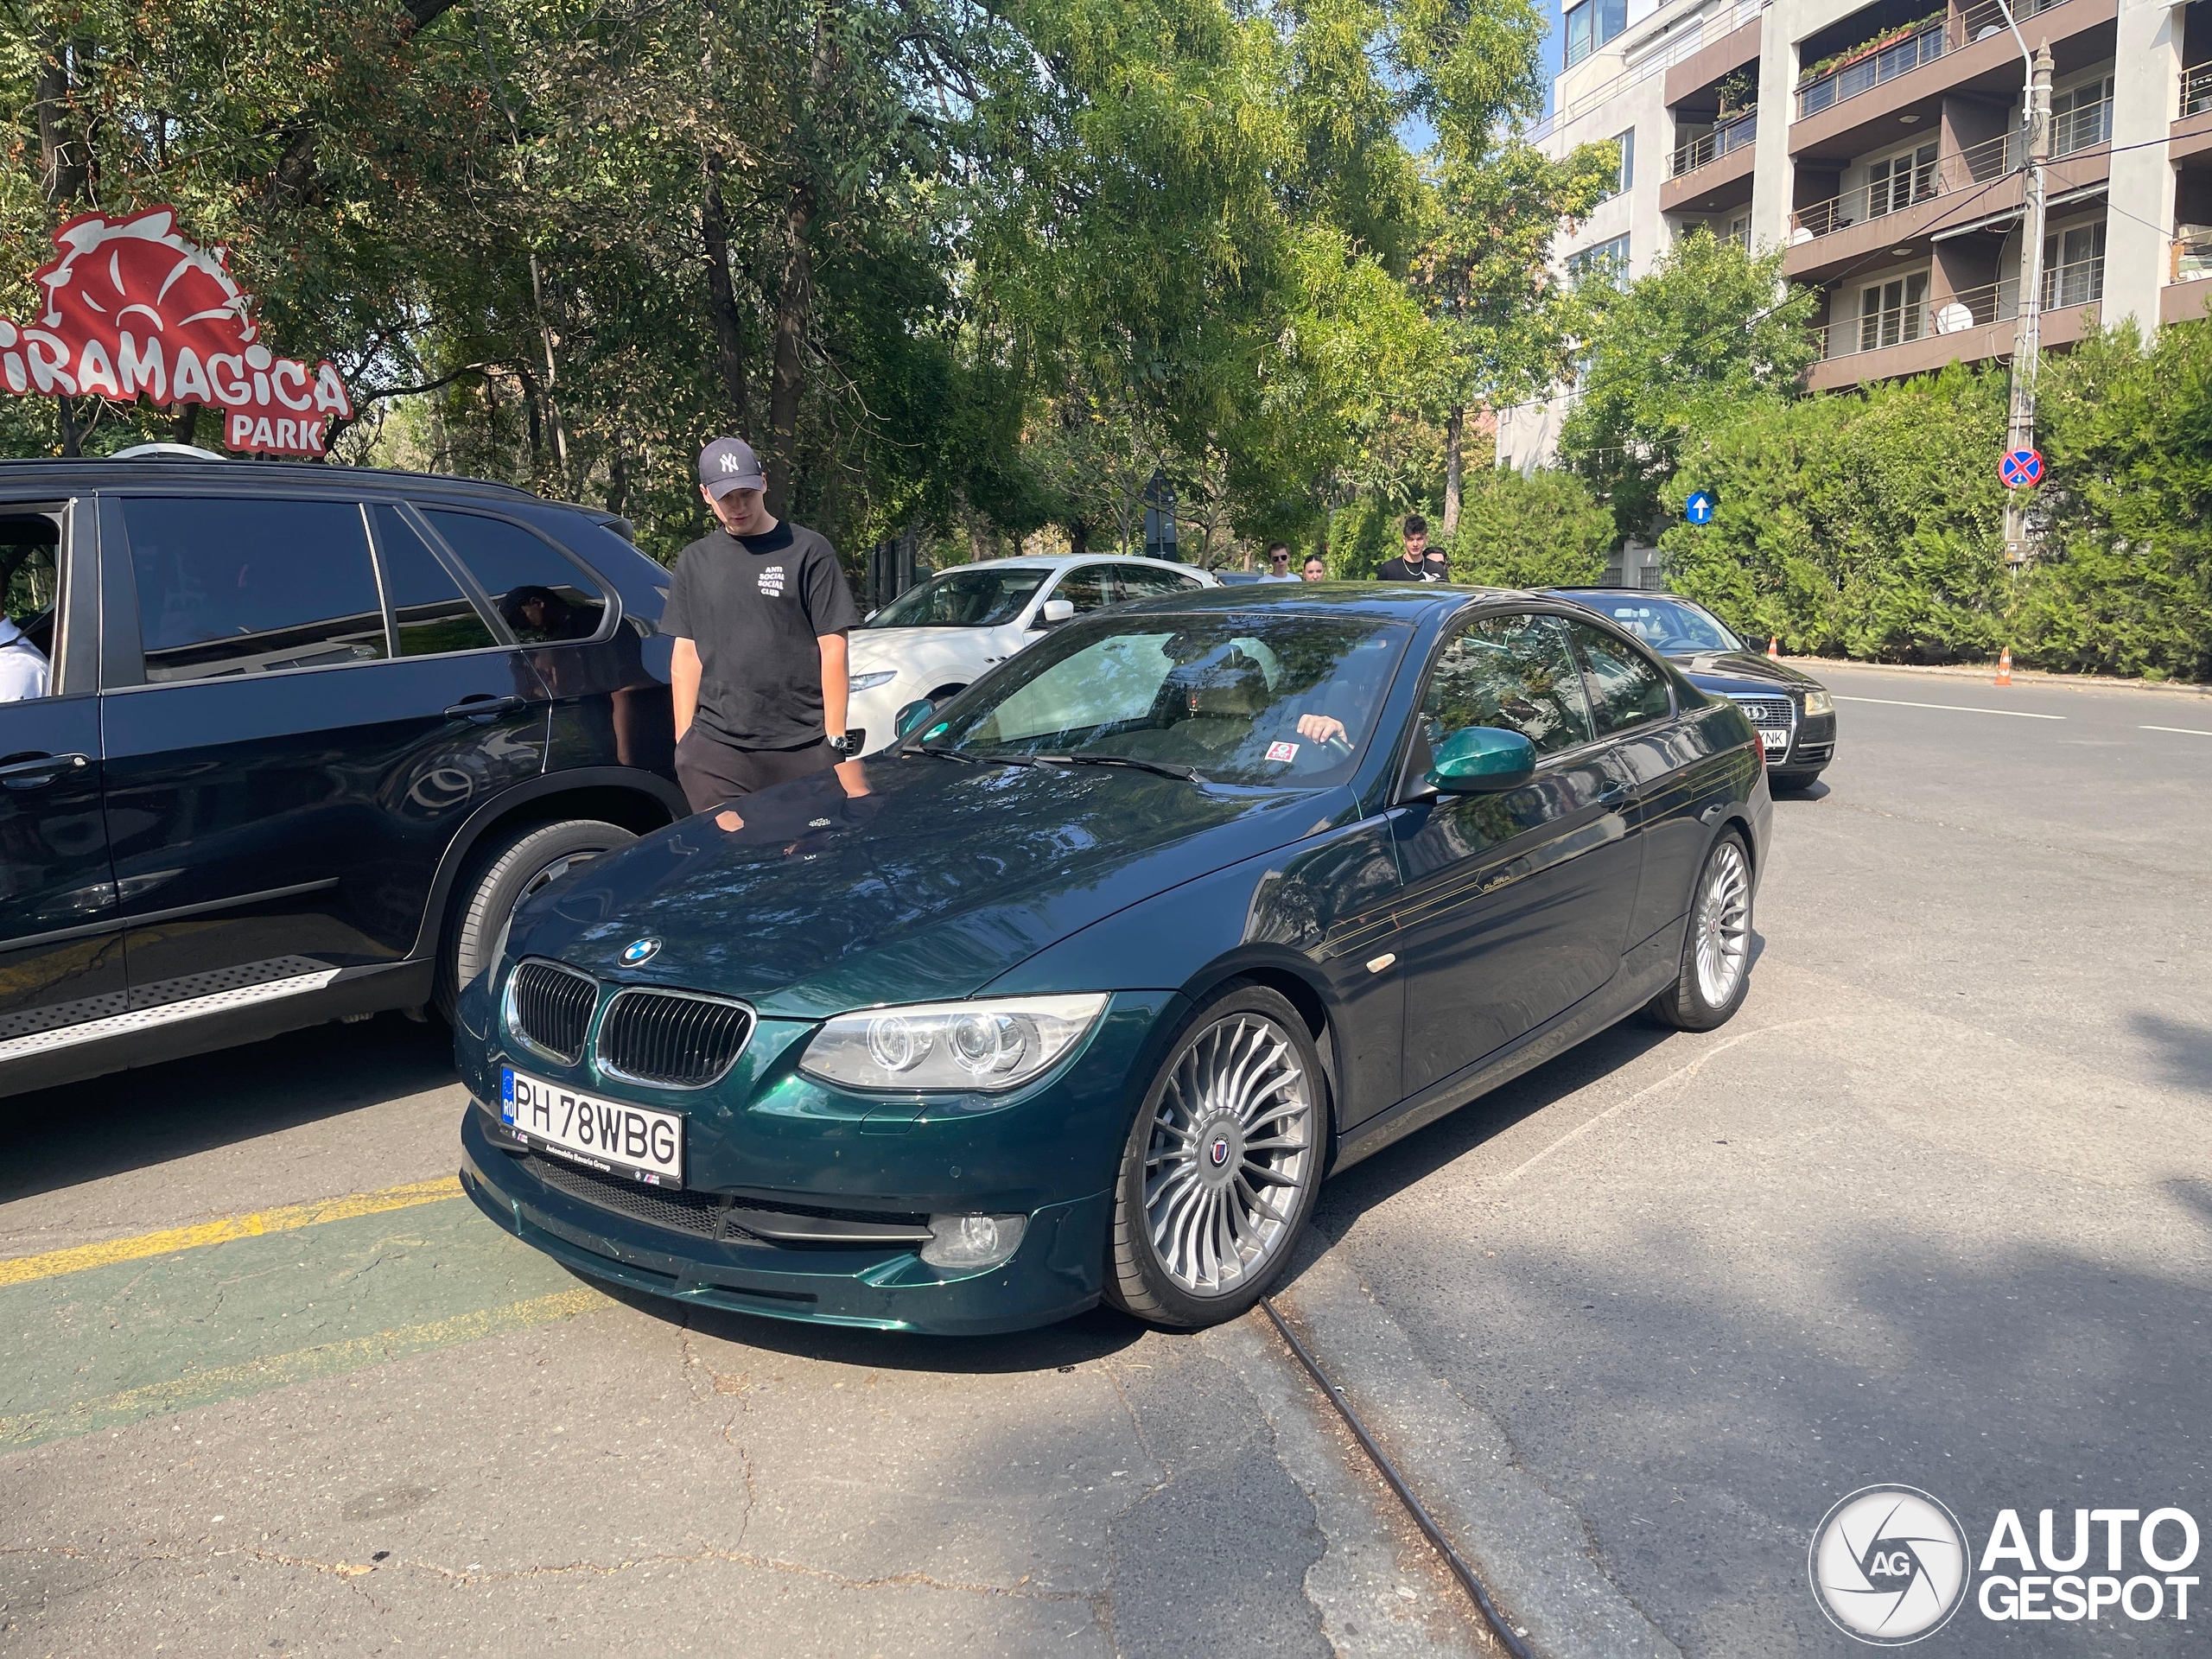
(1191, 1247)
(1716, 971)
(1793, 782)
(501, 878)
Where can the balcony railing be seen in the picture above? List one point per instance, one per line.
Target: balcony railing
(2081, 283)
(1730, 136)
(1882, 60)
(1908, 188)
(2196, 89)
(2190, 258)
(2083, 127)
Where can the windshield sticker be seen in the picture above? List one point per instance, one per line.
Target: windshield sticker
(1282, 751)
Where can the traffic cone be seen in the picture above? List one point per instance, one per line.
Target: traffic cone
(1774, 647)
(2005, 666)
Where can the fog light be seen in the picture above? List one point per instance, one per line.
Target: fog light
(973, 1241)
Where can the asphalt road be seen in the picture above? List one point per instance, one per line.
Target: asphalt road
(1932, 1209)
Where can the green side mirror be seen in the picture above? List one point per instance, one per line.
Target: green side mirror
(913, 714)
(1481, 759)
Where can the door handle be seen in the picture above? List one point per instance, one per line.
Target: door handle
(40, 770)
(484, 707)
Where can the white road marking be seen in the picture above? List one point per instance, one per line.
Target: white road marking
(2186, 731)
(1955, 707)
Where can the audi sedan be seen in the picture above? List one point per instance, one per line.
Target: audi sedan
(1080, 992)
(1794, 712)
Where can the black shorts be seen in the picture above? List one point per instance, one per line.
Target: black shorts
(713, 772)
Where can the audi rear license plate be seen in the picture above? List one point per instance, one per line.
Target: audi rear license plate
(1777, 743)
(609, 1136)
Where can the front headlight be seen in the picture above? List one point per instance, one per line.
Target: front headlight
(869, 682)
(987, 1045)
(1818, 702)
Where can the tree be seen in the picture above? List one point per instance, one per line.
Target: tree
(1538, 530)
(1708, 329)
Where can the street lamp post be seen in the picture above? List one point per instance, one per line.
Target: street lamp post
(2027, 332)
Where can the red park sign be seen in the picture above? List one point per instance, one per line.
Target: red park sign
(133, 309)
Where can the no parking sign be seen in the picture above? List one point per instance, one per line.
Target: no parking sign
(2021, 469)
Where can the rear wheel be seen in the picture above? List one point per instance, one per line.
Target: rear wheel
(501, 878)
(1222, 1166)
(1716, 971)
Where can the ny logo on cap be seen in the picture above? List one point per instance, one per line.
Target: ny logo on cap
(730, 463)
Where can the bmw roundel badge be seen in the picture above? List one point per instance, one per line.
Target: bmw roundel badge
(1219, 1151)
(638, 951)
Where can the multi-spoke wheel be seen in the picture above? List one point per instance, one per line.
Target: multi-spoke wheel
(1717, 953)
(1221, 1163)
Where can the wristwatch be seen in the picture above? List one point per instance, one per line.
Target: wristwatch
(849, 743)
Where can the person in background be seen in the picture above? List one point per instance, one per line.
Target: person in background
(1416, 563)
(759, 610)
(23, 665)
(1278, 562)
(1317, 567)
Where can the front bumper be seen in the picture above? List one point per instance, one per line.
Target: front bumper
(769, 1135)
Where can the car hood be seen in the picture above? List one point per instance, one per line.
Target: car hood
(931, 885)
(1728, 671)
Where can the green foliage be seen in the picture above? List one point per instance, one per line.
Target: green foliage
(1538, 530)
(1680, 349)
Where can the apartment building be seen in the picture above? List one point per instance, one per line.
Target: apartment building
(1880, 145)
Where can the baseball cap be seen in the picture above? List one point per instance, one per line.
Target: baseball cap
(729, 464)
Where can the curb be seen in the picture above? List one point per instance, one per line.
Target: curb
(1986, 674)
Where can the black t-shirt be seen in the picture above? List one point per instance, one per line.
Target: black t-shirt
(755, 605)
(1395, 569)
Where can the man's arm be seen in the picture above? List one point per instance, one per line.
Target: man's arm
(684, 683)
(837, 682)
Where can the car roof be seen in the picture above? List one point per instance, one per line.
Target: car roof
(1402, 602)
(75, 472)
(1058, 561)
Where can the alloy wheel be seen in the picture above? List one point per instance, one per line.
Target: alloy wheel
(1723, 925)
(1231, 1146)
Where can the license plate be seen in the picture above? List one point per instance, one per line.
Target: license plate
(609, 1136)
(1777, 742)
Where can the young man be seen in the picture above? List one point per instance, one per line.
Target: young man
(759, 609)
(1317, 567)
(1416, 564)
(22, 666)
(1278, 562)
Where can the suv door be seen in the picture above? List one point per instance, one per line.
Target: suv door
(1514, 902)
(302, 739)
(61, 959)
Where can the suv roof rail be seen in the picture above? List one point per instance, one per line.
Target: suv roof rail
(181, 451)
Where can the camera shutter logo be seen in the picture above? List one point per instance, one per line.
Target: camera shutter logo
(1889, 1565)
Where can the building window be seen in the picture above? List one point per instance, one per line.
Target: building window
(1895, 182)
(2074, 266)
(1739, 229)
(1890, 313)
(1607, 259)
(2080, 116)
(1592, 24)
(1625, 176)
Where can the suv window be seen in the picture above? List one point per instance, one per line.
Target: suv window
(1089, 588)
(1510, 671)
(544, 597)
(429, 614)
(246, 587)
(1142, 581)
(1630, 689)
(31, 594)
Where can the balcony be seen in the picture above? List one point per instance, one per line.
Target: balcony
(1908, 188)
(2189, 276)
(2192, 133)
(1973, 323)
(1645, 56)
(1733, 134)
(2196, 91)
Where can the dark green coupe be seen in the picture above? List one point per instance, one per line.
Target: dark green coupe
(1081, 991)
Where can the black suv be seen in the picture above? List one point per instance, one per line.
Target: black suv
(308, 734)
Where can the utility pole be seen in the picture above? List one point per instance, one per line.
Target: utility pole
(2027, 333)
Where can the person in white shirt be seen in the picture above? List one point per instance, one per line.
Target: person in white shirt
(1278, 562)
(23, 665)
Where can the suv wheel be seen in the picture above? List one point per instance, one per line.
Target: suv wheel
(497, 881)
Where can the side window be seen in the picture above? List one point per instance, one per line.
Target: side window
(1142, 581)
(30, 603)
(1510, 671)
(1629, 687)
(544, 597)
(429, 614)
(240, 587)
(1089, 588)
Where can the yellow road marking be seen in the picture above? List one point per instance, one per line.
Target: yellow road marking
(25, 1269)
(204, 1388)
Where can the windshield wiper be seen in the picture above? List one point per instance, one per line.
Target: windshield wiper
(1188, 774)
(943, 753)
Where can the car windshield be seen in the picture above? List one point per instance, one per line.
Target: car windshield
(1673, 628)
(1250, 699)
(963, 599)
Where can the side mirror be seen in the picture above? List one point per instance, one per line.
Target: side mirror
(910, 718)
(1055, 612)
(1481, 759)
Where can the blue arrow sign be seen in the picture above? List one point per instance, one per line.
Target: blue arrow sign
(1699, 508)
(2021, 469)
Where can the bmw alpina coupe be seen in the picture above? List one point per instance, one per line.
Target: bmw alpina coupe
(1081, 990)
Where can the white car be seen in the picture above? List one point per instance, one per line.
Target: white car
(934, 639)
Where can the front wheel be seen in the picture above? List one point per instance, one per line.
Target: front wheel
(1223, 1164)
(1716, 971)
(497, 881)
